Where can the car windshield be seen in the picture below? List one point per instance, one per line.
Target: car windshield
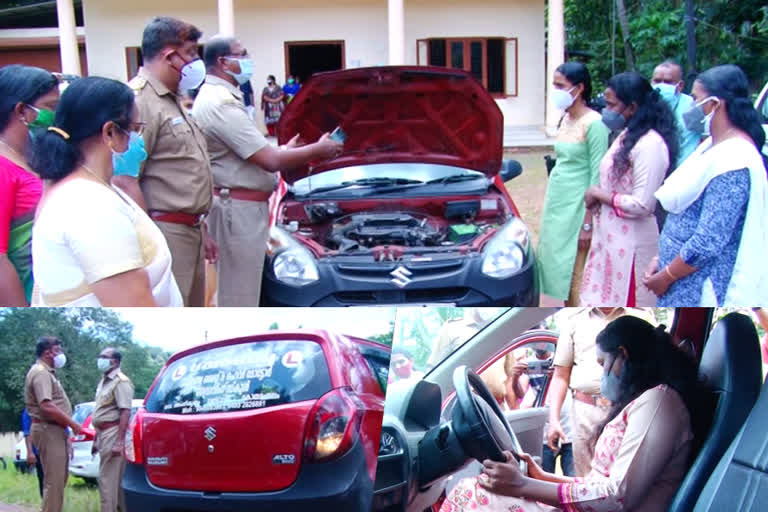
(240, 377)
(82, 411)
(424, 337)
(383, 175)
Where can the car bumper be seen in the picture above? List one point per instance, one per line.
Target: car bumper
(343, 485)
(451, 281)
(83, 464)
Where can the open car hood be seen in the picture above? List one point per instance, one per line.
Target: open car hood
(398, 114)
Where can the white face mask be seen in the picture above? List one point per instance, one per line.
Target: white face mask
(59, 360)
(562, 99)
(192, 75)
(103, 364)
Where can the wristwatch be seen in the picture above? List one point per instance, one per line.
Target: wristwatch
(587, 227)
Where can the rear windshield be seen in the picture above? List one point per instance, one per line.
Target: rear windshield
(82, 411)
(241, 377)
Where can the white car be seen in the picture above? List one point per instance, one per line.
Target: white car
(82, 463)
(20, 457)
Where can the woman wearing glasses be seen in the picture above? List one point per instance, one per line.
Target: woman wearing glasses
(92, 244)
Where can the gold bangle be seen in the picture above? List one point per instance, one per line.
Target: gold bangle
(669, 273)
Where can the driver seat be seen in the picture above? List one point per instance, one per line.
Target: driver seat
(731, 371)
(740, 481)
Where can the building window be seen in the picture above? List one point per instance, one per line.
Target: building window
(134, 59)
(491, 60)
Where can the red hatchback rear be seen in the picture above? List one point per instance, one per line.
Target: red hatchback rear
(285, 419)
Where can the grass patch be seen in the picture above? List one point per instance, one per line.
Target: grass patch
(21, 489)
(528, 189)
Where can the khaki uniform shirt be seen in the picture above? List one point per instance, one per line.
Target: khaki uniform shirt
(576, 346)
(114, 392)
(41, 384)
(451, 336)
(176, 177)
(232, 136)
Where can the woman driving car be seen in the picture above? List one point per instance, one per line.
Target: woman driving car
(643, 448)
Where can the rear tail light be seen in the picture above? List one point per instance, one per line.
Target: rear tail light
(87, 434)
(133, 435)
(333, 426)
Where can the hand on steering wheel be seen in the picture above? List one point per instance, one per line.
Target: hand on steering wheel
(479, 423)
(504, 478)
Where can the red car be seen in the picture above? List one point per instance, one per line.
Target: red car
(286, 420)
(414, 211)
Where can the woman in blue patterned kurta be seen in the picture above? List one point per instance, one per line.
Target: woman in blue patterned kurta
(711, 248)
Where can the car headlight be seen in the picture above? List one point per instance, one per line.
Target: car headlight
(292, 263)
(504, 255)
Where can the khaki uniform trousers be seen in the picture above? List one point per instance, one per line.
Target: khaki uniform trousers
(187, 251)
(111, 469)
(585, 419)
(51, 443)
(241, 229)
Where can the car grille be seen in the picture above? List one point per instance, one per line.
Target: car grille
(453, 294)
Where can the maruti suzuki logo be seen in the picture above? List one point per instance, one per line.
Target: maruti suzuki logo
(210, 433)
(401, 277)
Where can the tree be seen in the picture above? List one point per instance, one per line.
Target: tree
(84, 333)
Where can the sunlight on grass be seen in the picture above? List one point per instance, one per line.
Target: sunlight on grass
(21, 489)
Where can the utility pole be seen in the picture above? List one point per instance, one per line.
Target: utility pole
(690, 29)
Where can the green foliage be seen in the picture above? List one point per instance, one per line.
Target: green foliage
(385, 338)
(726, 32)
(84, 332)
(21, 489)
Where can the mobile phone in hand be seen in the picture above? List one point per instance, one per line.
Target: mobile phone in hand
(338, 135)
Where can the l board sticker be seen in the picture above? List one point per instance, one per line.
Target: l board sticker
(284, 458)
(180, 372)
(292, 359)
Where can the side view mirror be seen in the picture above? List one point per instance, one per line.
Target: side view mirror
(510, 169)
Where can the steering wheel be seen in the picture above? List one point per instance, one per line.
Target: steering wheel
(478, 421)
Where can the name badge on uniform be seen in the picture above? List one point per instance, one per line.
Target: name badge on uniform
(177, 120)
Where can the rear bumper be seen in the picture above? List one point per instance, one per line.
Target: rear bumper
(340, 485)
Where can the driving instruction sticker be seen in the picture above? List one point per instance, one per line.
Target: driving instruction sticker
(180, 372)
(292, 359)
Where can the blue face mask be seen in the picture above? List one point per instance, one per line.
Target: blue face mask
(610, 384)
(613, 120)
(246, 71)
(668, 93)
(129, 162)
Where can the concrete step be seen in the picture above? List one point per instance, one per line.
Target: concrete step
(526, 136)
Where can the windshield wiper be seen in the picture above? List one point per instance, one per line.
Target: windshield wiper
(365, 182)
(456, 178)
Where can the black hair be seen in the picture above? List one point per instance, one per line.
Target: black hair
(45, 343)
(577, 73)
(116, 355)
(215, 49)
(83, 109)
(271, 77)
(164, 31)
(22, 84)
(652, 113)
(729, 83)
(653, 359)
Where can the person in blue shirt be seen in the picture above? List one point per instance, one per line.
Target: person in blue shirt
(33, 458)
(668, 80)
(290, 89)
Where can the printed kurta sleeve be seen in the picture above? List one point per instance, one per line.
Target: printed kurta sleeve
(650, 161)
(723, 199)
(597, 146)
(653, 434)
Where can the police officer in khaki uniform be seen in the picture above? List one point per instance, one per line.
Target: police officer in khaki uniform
(51, 413)
(110, 420)
(578, 372)
(242, 162)
(175, 183)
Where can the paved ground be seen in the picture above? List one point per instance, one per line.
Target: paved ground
(15, 508)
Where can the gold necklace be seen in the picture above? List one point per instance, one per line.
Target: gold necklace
(18, 160)
(104, 182)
